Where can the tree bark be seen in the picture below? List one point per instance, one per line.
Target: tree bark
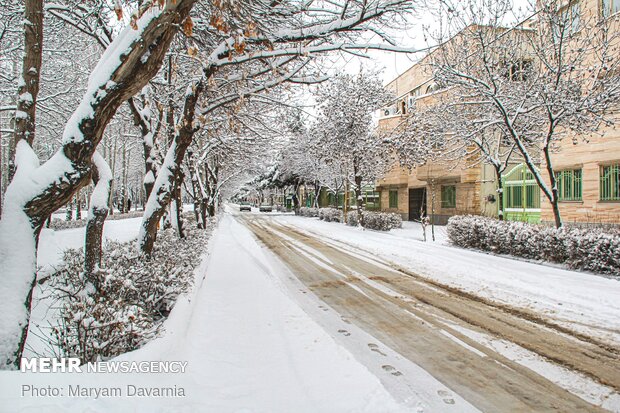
(142, 119)
(28, 86)
(98, 212)
(554, 198)
(178, 202)
(78, 205)
(500, 194)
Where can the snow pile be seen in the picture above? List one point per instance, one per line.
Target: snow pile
(134, 295)
(379, 221)
(330, 215)
(309, 212)
(579, 248)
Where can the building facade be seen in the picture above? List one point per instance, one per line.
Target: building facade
(587, 168)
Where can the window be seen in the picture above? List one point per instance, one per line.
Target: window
(393, 199)
(371, 199)
(609, 7)
(519, 70)
(610, 183)
(569, 185)
(569, 20)
(448, 196)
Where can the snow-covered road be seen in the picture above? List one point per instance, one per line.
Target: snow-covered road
(583, 302)
(500, 356)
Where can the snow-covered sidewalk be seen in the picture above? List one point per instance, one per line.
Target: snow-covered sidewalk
(583, 302)
(249, 348)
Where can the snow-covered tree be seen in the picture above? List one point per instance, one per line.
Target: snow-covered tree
(552, 77)
(346, 131)
(238, 49)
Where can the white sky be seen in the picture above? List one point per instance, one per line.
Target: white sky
(394, 64)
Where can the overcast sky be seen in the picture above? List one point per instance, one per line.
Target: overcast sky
(394, 64)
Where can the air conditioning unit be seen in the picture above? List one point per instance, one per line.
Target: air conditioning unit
(411, 102)
(389, 111)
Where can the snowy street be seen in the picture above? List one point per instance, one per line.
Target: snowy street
(285, 316)
(492, 353)
(360, 206)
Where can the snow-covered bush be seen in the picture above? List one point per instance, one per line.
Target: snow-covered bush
(60, 224)
(380, 221)
(352, 218)
(330, 214)
(592, 249)
(308, 212)
(133, 298)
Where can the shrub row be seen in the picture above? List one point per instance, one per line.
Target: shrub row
(578, 248)
(135, 294)
(330, 215)
(309, 212)
(380, 221)
(60, 224)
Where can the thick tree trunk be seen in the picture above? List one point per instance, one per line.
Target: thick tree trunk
(70, 168)
(168, 175)
(97, 213)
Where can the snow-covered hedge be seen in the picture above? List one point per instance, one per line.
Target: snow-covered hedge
(380, 221)
(60, 224)
(308, 212)
(134, 298)
(586, 249)
(330, 214)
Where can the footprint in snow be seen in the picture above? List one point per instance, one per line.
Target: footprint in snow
(344, 332)
(445, 394)
(391, 370)
(375, 348)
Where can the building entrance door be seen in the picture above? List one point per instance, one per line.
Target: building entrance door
(417, 203)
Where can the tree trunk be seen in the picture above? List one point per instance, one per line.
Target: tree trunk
(500, 194)
(98, 212)
(142, 119)
(69, 213)
(78, 206)
(178, 201)
(197, 193)
(554, 198)
(28, 86)
(167, 176)
(359, 201)
(70, 169)
(112, 186)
